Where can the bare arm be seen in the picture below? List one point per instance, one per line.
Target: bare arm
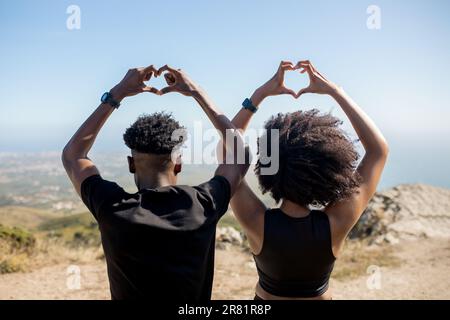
(247, 207)
(179, 81)
(75, 154)
(346, 213)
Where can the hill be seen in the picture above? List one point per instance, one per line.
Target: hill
(24, 217)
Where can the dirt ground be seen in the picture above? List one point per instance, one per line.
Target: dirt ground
(422, 274)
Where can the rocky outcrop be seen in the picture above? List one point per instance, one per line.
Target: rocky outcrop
(228, 236)
(405, 212)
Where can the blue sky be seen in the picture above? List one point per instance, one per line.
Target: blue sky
(52, 78)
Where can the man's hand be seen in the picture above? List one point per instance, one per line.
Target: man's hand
(318, 83)
(275, 86)
(178, 81)
(133, 83)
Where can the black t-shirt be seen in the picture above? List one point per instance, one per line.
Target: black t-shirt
(158, 243)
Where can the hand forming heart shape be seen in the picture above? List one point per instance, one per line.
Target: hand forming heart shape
(133, 83)
(317, 82)
(276, 86)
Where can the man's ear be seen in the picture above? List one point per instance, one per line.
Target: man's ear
(178, 165)
(131, 166)
(177, 168)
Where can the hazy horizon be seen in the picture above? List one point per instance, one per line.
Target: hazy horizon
(398, 171)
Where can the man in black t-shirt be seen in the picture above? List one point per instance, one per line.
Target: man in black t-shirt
(159, 242)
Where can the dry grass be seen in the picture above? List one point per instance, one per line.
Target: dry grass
(23, 251)
(357, 256)
(47, 253)
(51, 252)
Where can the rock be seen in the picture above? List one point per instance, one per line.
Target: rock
(229, 235)
(405, 212)
(389, 238)
(223, 246)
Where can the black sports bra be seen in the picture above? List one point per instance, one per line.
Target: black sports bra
(296, 259)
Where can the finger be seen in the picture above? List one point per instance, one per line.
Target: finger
(289, 91)
(311, 71)
(307, 68)
(302, 91)
(150, 69)
(148, 75)
(147, 72)
(313, 68)
(167, 68)
(170, 79)
(303, 65)
(286, 65)
(300, 63)
(317, 71)
(167, 90)
(151, 90)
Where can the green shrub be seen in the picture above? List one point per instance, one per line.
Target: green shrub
(84, 238)
(79, 230)
(16, 239)
(13, 264)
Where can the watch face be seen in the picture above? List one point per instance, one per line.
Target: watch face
(105, 97)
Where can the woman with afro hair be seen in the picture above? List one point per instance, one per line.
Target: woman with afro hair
(321, 187)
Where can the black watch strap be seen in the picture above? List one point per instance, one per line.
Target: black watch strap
(248, 104)
(109, 99)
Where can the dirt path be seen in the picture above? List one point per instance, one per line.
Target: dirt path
(423, 274)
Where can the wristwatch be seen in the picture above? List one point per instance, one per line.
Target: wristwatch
(108, 98)
(248, 104)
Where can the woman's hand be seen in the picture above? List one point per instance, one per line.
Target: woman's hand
(178, 81)
(133, 83)
(318, 83)
(275, 86)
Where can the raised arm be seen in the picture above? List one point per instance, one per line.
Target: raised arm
(247, 207)
(274, 87)
(346, 213)
(235, 170)
(75, 154)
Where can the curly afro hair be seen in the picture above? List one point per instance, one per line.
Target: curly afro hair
(317, 160)
(153, 134)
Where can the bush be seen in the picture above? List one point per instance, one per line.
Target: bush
(13, 264)
(15, 247)
(85, 238)
(75, 231)
(16, 239)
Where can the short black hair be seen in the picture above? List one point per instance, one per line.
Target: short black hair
(152, 133)
(317, 160)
